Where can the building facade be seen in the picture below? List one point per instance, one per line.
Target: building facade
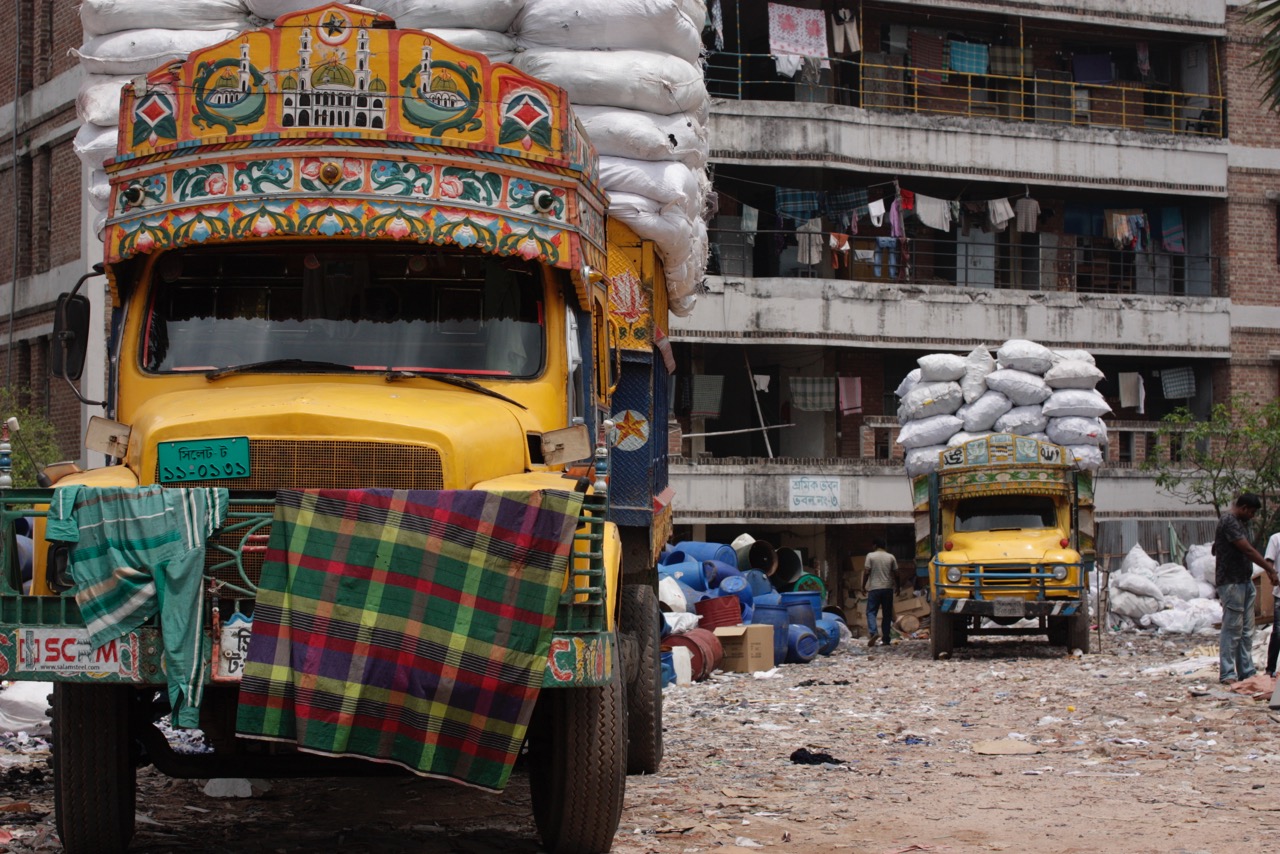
(1128, 146)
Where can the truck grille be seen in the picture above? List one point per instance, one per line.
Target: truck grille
(319, 464)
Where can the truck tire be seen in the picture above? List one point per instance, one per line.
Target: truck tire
(641, 619)
(1078, 633)
(577, 766)
(94, 778)
(941, 632)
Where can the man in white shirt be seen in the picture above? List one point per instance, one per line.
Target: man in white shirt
(1273, 646)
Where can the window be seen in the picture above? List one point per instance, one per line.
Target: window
(1005, 513)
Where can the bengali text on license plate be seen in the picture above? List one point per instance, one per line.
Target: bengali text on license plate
(204, 459)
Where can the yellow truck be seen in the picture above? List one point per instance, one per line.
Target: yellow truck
(370, 326)
(1004, 534)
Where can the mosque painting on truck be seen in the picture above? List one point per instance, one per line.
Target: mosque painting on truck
(308, 126)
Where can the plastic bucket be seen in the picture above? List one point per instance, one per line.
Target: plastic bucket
(692, 597)
(802, 644)
(814, 600)
(708, 551)
(800, 608)
(834, 612)
(770, 598)
(691, 573)
(790, 568)
(668, 669)
(755, 554)
(719, 611)
(774, 614)
(828, 635)
(811, 583)
(717, 571)
(760, 583)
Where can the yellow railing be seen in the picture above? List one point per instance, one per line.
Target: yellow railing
(1035, 95)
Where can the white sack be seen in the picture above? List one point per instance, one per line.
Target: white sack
(1138, 583)
(610, 25)
(982, 413)
(141, 51)
(1073, 373)
(680, 623)
(269, 10)
(1042, 437)
(1086, 403)
(1019, 386)
(99, 190)
(1201, 563)
(668, 183)
(1137, 560)
(498, 47)
(496, 15)
(98, 102)
(1131, 605)
(1176, 583)
(1072, 355)
(929, 399)
(634, 79)
(1074, 430)
(670, 594)
(23, 707)
(1021, 355)
(1207, 590)
(94, 144)
(964, 437)
(1022, 420)
(941, 367)
(1185, 617)
(1087, 457)
(111, 16)
(923, 460)
(909, 382)
(978, 364)
(934, 430)
(644, 136)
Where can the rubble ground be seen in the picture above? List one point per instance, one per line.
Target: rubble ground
(1010, 745)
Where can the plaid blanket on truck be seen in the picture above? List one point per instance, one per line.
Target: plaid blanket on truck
(409, 627)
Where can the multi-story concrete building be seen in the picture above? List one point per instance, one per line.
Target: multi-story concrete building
(1130, 135)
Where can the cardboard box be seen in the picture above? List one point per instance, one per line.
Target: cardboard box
(746, 648)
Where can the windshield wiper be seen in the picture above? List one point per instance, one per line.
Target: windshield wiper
(460, 382)
(277, 364)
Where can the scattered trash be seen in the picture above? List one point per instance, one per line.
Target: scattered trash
(804, 757)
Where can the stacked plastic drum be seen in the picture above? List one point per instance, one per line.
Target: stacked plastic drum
(1026, 389)
(631, 69)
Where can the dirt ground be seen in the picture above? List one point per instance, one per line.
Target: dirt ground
(1009, 746)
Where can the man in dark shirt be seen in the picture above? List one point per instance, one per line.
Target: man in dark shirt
(1234, 558)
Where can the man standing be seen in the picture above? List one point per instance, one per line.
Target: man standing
(880, 583)
(1233, 572)
(1273, 646)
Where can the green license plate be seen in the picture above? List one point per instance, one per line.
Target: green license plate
(204, 459)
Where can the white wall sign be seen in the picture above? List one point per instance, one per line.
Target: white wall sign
(814, 492)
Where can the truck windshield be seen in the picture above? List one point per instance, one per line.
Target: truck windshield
(421, 309)
(1005, 513)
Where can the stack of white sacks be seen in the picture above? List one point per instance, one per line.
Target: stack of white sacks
(1026, 389)
(631, 68)
(1165, 596)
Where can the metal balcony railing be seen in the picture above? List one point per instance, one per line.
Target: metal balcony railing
(1011, 261)
(1040, 95)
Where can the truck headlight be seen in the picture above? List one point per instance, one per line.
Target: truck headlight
(1059, 572)
(953, 575)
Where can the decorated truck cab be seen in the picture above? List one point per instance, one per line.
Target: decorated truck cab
(1004, 534)
(384, 493)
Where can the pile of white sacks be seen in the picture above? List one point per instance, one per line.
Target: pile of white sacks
(631, 69)
(1026, 389)
(1165, 596)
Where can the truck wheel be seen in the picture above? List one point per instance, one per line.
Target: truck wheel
(1078, 633)
(94, 778)
(640, 619)
(577, 766)
(941, 632)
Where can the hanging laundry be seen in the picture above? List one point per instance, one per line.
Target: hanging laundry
(797, 32)
(850, 395)
(864, 256)
(927, 60)
(967, 57)
(1139, 233)
(813, 394)
(935, 213)
(761, 381)
(839, 244)
(1178, 383)
(809, 242)
(750, 222)
(908, 199)
(895, 220)
(788, 65)
(717, 23)
(876, 210)
(1144, 59)
(799, 205)
(1133, 392)
(1172, 237)
(886, 245)
(845, 206)
(999, 212)
(1026, 215)
(844, 31)
(707, 392)
(1009, 61)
